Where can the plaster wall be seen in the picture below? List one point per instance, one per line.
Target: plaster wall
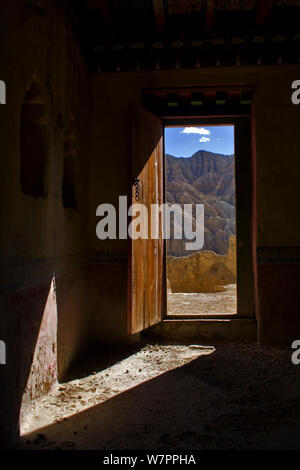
(44, 246)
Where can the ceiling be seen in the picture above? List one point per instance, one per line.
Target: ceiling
(161, 34)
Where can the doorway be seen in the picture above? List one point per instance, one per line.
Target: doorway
(147, 266)
(199, 164)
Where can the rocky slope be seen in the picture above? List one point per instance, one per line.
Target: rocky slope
(202, 271)
(206, 178)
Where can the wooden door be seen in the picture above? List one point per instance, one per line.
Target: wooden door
(146, 261)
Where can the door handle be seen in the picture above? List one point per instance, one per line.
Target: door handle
(136, 183)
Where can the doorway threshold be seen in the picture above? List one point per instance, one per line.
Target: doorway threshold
(202, 316)
(199, 329)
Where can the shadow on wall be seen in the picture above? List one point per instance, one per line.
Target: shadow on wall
(43, 369)
(46, 334)
(72, 304)
(108, 304)
(30, 312)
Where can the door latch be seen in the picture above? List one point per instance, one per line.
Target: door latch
(136, 183)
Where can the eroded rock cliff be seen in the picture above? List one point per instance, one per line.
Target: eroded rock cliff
(206, 178)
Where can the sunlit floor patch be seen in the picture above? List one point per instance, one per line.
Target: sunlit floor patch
(78, 395)
(238, 396)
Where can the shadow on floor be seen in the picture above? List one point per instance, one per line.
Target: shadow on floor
(97, 358)
(239, 397)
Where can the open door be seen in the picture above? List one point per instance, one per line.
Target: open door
(146, 260)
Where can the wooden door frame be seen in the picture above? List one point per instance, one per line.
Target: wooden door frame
(247, 303)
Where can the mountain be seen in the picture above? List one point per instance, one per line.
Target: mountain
(206, 178)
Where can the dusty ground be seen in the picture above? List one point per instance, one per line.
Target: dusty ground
(238, 396)
(203, 304)
(130, 369)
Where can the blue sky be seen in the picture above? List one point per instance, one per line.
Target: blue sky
(185, 141)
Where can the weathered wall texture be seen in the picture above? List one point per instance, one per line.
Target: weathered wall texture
(277, 140)
(43, 369)
(43, 244)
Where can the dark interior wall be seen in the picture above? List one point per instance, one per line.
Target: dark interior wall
(278, 235)
(277, 140)
(109, 179)
(44, 245)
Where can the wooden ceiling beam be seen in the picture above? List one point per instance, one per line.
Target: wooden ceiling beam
(210, 13)
(159, 12)
(262, 10)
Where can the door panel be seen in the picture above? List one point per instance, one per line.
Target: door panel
(146, 286)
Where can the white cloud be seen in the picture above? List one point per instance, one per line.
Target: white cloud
(204, 139)
(195, 130)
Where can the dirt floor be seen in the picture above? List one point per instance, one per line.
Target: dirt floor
(183, 303)
(238, 396)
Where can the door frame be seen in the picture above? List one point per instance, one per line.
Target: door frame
(245, 211)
